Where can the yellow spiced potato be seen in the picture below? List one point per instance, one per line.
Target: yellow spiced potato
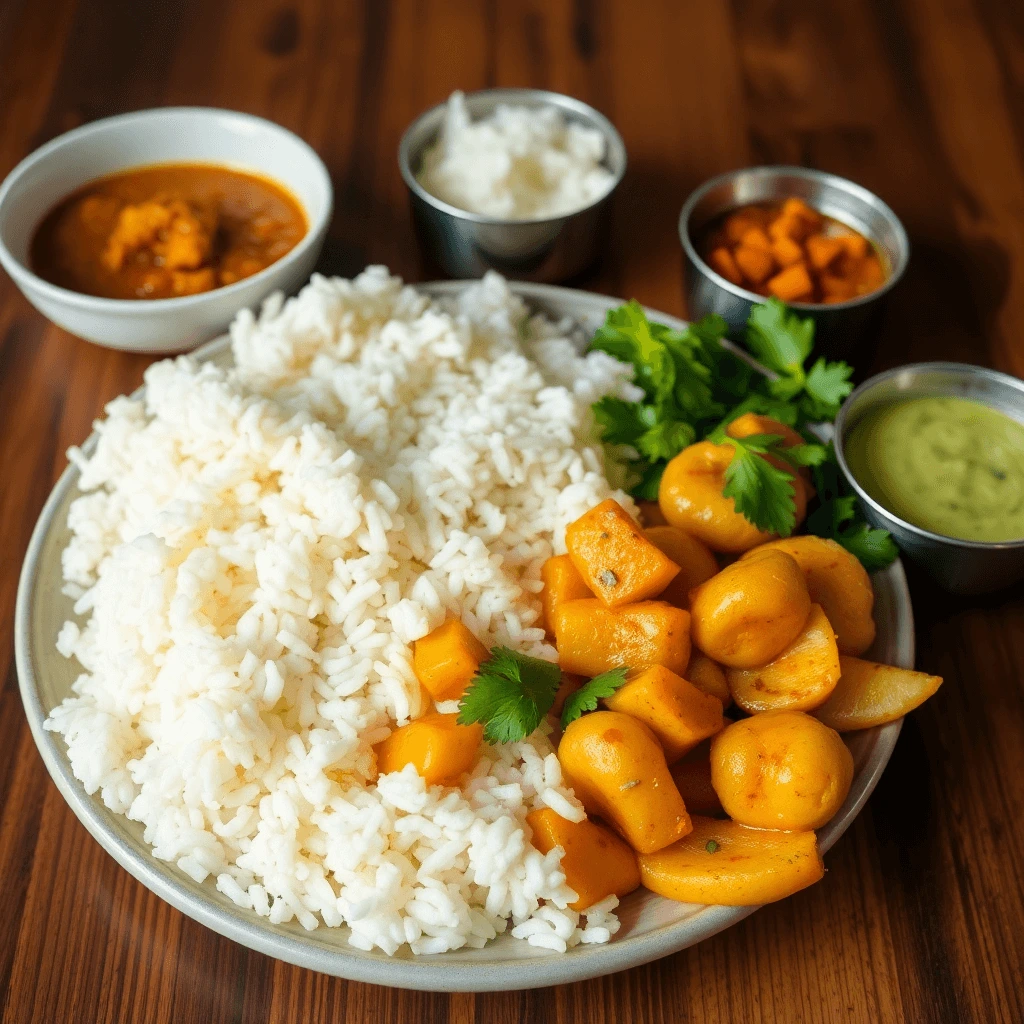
(751, 611)
(838, 582)
(694, 558)
(690, 496)
(726, 864)
(596, 862)
(709, 676)
(446, 659)
(869, 694)
(751, 423)
(592, 639)
(781, 770)
(616, 767)
(562, 582)
(678, 714)
(617, 562)
(799, 679)
(435, 745)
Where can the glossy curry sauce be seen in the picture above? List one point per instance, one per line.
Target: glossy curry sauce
(166, 230)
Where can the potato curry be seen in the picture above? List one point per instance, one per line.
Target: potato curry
(705, 747)
(166, 230)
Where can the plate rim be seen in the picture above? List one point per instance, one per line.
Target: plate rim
(423, 973)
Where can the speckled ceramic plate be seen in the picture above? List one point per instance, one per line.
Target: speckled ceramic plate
(651, 926)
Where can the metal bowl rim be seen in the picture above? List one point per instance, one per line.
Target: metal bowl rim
(965, 370)
(555, 99)
(824, 177)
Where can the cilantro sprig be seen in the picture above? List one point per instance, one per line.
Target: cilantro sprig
(760, 491)
(694, 386)
(676, 370)
(782, 341)
(836, 517)
(586, 697)
(510, 694)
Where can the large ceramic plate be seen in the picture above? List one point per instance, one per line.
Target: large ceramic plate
(652, 926)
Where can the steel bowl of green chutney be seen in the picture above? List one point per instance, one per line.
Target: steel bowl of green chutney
(935, 453)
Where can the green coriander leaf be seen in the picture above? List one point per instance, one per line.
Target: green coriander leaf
(828, 479)
(510, 695)
(711, 846)
(805, 454)
(765, 405)
(665, 439)
(779, 338)
(761, 492)
(586, 697)
(762, 444)
(693, 392)
(622, 422)
(827, 384)
(734, 378)
(875, 548)
(710, 329)
(827, 519)
(838, 518)
(786, 389)
(782, 340)
(646, 488)
(626, 335)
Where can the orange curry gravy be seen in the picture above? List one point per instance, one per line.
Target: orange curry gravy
(166, 230)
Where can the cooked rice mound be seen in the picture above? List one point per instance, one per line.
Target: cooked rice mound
(255, 550)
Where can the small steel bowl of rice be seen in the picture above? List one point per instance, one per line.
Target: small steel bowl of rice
(514, 180)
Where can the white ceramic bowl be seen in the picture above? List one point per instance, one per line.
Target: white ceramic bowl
(651, 926)
(169, 135)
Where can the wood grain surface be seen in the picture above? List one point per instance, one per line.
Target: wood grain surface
(921, 915)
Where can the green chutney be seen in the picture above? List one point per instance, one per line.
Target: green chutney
(947, 465)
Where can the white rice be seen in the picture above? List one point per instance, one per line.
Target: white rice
(255, 553)
(517, 163)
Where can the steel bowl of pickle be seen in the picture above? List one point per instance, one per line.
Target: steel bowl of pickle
(824, 245)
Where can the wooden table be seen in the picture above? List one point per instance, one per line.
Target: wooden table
(921, 916)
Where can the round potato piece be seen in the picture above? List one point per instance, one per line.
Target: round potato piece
(801, 678)
(782, 770)
(694, 558)
(838, 582)
(690, 496)
(751, 611)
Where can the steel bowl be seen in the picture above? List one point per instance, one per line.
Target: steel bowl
(469, 244)
(838, 326)
(961, 566)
